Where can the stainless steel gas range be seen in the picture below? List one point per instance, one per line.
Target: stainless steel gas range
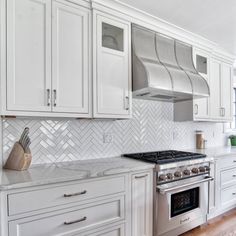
(181, 185)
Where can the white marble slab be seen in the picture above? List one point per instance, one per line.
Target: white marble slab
(216, 152)
(69, 171)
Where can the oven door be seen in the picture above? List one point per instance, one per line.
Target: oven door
(182, 205)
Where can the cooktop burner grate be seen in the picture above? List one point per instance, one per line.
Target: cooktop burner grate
(163, 157)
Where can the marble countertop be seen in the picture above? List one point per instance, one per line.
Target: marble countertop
(216, 152)
(69, 171)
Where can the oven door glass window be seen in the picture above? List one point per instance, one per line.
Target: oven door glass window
(184, 201)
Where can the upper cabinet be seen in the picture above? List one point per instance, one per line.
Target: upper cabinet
(28, 55)
(217, 71)
(202, 63)
(48, 59)
(111, 67)
(70, 58)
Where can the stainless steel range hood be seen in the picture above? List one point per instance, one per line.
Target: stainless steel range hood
(163, 68)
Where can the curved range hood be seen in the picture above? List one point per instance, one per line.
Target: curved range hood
(163, 68)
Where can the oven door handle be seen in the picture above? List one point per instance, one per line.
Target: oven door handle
(165, 190)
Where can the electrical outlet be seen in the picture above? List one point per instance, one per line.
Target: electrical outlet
(107, 138)
(175, 135)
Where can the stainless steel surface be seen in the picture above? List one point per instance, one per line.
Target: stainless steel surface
(183, 163)
(24, 139)
(55, 97)
(163, 68)
(75, 194)
(168, 225)
(164, 190)
(75, 221)
(48, 98)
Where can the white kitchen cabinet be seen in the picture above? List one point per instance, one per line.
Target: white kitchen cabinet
(221, 91)
(226, 91)
(111, 67)
(202, 63)
(28, 55)
(48, 58)
(142, 204)
(215, 95)
(89, 207)
(218, 107)
(222, 194)
(70, 58)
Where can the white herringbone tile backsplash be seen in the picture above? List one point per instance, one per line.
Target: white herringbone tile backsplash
(151, 128)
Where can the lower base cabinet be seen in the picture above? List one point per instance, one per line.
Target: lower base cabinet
(222, 195)
(116, 205)
(142, 204)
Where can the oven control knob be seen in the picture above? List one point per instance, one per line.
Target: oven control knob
(187, 172)
(202, 169)
(162, 177)
(178, 174)
(170, 176)
(207, 168)
(195, 170)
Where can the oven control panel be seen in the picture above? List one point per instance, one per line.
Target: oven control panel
(182, 172)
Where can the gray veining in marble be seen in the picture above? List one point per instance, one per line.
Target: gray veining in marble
(70, 171)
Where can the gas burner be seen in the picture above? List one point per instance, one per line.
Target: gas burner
(163, 157)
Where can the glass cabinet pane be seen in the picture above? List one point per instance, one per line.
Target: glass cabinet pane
(112, 37)
(201, 64)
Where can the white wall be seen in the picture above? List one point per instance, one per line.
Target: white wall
(151, 129)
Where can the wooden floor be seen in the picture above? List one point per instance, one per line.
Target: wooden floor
(224, 225)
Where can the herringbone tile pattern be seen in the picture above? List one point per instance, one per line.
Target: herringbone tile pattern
(151, 128)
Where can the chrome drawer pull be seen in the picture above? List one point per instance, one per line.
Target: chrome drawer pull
(234, 193)
(140, 176)
(75, 194)
(234, 175)
(48, 98)
(75, 221)
(55, 97)
(127, 103)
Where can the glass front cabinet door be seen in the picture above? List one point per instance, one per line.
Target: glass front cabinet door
(112, 67)
(202, 64)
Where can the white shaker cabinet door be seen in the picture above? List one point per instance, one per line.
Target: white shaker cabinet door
(28, 55)
(142, 204)
(215, 91)
(112, 67)
(226, 91)
(70, 58)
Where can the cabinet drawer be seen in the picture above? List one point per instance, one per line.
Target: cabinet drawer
(228, 177)
(228, 162)
(228, 196)
(74, 220)
(53, 196)
(118, 230)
